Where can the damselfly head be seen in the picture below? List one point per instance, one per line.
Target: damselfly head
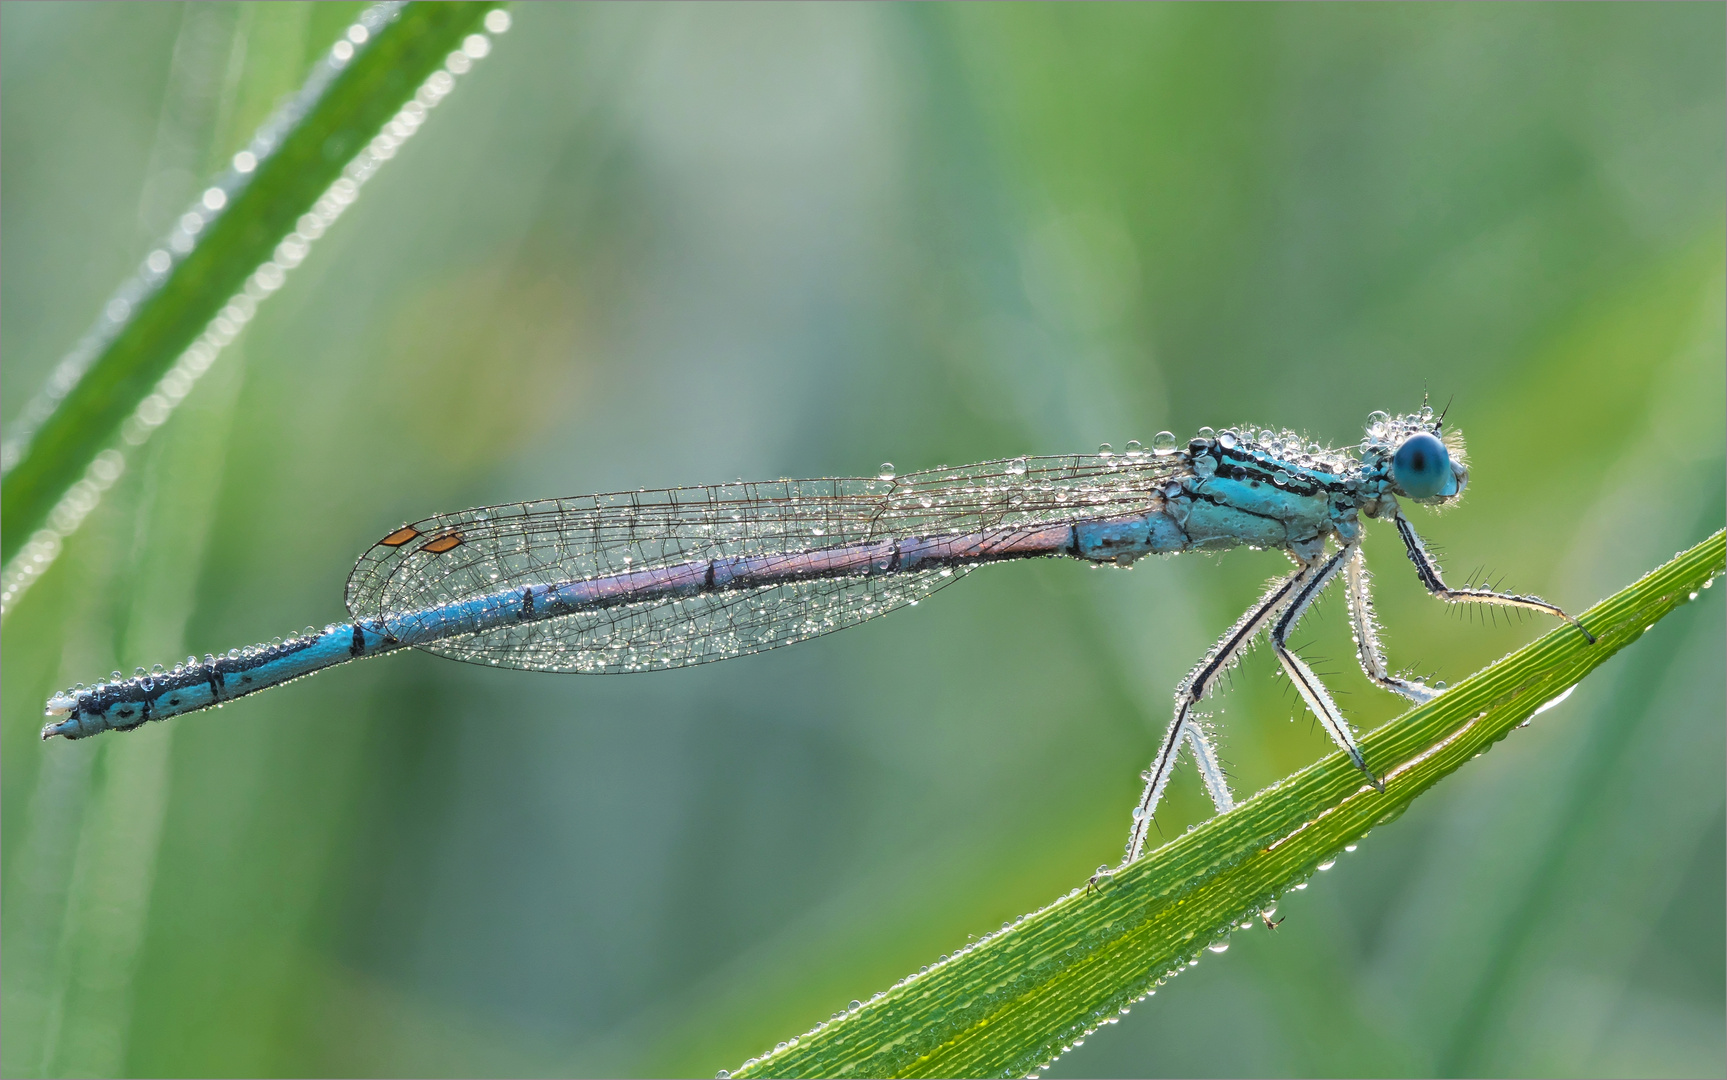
(1409, 452)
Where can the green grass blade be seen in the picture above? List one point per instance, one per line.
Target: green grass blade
(1014, 1001)
(361, 99)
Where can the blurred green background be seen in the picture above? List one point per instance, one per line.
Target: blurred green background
(655, 245)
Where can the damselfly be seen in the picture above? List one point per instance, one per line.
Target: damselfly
(646, 580)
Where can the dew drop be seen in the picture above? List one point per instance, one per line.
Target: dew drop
(1204, 466)
(1103, 450)
(1163, 442)
(1280, 478)
(1205, 433)
(1227, 440)
(1220, 947)
(886, 470)
(1016, 467)
(1376, 417)
(1133, 446)
(1328, 865)
(1551, 702)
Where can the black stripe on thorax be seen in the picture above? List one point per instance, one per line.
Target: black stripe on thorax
(1264, 471)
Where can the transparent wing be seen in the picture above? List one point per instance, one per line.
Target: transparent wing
(692, 630)
(462, 556)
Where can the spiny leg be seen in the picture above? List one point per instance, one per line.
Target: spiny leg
(1200, 682)
(1367, 647)
(1205, 756)
(1312, 690)
(1428, 571)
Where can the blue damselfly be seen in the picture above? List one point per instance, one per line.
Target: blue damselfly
(647, 580)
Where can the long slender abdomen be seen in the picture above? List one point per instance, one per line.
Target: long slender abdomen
(129, 703)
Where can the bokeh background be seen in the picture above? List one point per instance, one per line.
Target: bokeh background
(656, 245)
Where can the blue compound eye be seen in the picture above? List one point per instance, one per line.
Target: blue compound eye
(1422, 467)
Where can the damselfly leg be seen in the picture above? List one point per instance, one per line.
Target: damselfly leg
(1186, 728)
(1368, 649)
(1428, 571)
(1321, 573)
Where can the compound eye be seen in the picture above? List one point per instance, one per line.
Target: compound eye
(1422, 467)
